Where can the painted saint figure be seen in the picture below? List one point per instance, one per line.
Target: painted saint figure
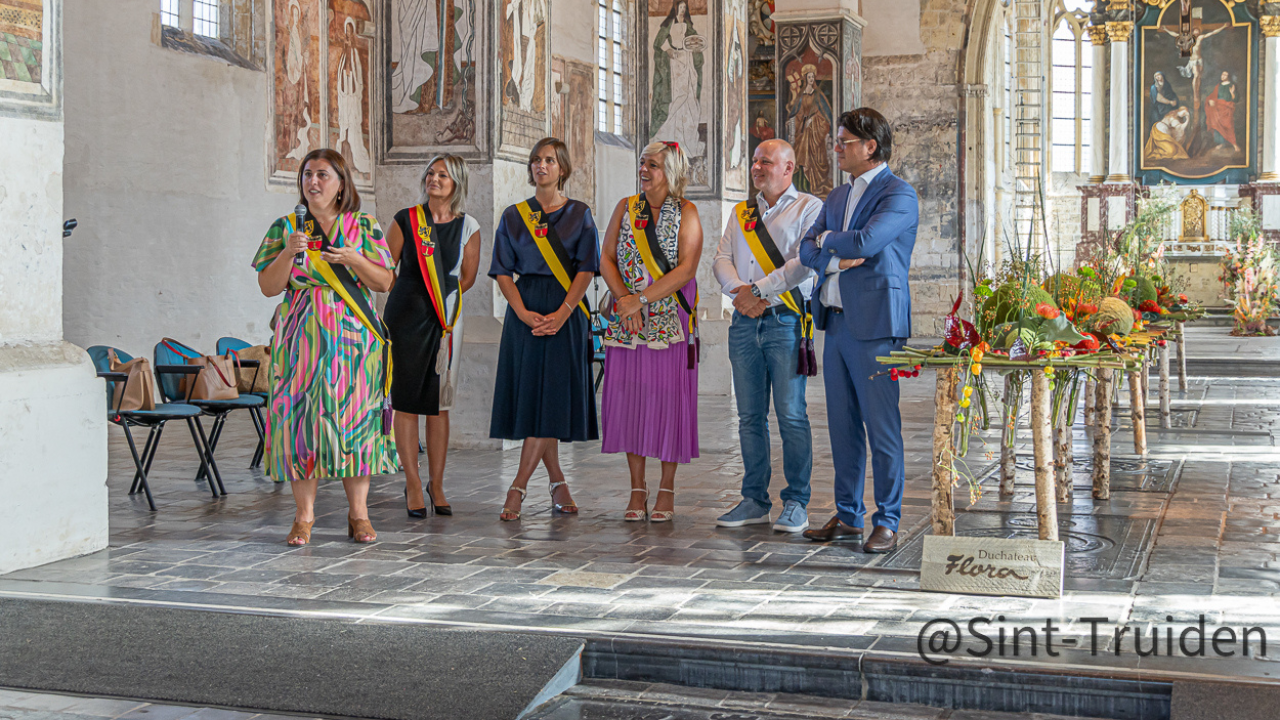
(810, 130)
(414, 34)
(1163, 98)
(1220, 111)
(1168, 136)
(677, 81)
(1190, 45)
(295, 69)
(351, 100)
(525, 16)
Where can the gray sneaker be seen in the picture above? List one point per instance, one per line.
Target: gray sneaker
(747, 512)
(794, 518)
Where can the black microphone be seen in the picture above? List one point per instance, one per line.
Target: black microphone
(301, 212)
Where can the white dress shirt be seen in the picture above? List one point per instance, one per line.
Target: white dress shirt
(831, 286)
(788, 220)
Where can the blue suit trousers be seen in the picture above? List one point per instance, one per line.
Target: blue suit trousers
(862, 410)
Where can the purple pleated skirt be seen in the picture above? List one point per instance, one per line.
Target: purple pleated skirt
(650, 403)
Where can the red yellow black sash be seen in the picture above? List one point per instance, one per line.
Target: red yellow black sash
(549, 244)
(766, 253)
(433, 272)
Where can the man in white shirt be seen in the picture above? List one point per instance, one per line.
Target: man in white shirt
(862, 243)
(756, 265)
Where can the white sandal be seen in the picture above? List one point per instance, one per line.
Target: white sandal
(638, 515)
(659, 516)
(569, 509)
(516, 513)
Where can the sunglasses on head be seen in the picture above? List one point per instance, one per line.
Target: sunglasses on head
(672, 145)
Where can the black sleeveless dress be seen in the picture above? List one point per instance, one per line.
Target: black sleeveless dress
(411, 320)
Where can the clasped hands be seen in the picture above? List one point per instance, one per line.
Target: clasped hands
(545, 325)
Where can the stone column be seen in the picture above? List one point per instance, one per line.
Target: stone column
(1120, 168)
(1270, 167)
(1098, 123)
(53, 439)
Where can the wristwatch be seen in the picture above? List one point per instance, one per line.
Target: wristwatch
(755, 290)
(643, 300)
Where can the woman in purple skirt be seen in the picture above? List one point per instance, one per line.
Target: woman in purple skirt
(650, 255)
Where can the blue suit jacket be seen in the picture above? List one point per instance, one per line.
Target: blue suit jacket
(876, 295)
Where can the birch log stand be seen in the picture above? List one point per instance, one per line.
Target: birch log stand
(944, 475)
(1042, 442)
(1063, 462)
(1166, 416)
(1138, 414)
(1181, 329)
(1008, 435)
(1102, 436)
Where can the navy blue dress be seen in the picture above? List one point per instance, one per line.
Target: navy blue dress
(543, 387)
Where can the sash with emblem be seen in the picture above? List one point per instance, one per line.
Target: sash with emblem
(766, 253)
(658, 264)
(435, 276)
(551, 246)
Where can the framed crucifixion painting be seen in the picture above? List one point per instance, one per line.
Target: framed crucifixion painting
(1196, 106)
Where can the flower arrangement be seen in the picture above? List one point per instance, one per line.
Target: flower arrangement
(1249, 276)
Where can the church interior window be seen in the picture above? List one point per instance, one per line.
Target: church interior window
(1071, 81)
(610, 64)
(169, 13)
(205, 17)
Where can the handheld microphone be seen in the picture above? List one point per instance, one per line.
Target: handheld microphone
(301, 212)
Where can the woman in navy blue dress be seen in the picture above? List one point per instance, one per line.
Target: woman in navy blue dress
(543, 393)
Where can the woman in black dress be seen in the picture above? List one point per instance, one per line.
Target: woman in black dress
(437, 248)
(543, 393)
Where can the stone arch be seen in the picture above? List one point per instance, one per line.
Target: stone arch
(975, 103)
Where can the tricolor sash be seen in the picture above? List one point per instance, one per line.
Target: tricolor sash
(657, 263)
(766, 253)
(342, 281)
(549, 244)
(434, 274)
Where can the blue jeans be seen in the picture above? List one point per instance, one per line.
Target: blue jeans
(763, 353)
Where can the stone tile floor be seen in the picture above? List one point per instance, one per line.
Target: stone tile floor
(21, 705)
(1211, 546)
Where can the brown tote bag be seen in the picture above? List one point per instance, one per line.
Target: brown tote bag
(217, 378)
(251, 379)
(139, 391)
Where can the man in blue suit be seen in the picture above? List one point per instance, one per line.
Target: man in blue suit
(860, 247)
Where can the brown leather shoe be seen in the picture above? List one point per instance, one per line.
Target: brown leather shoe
(834, 530)
(882, 540)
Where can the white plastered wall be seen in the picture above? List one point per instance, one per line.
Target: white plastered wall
(53, 454)
(166, 172)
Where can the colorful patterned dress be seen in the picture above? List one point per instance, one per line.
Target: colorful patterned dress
(650, 401)
(325, 409)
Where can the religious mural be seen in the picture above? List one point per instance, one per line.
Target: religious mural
(433, 79)
(524, 64)
(350, 30)
(762, 98)
(808, 61)
(735, 94)
(297, 110)
(21, 45)
(1196, 109)
(573, 86)
(681, 66)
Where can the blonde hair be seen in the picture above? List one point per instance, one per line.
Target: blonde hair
(457, 169)
(674, 165)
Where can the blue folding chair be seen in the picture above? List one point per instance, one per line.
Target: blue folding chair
(154, 420)
(235, 345)
(597, 347)
(173, 356)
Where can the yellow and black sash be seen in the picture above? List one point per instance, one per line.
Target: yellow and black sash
(342, 281)
(552, 248)
(433, 270)
(656, 262)
(766, 253)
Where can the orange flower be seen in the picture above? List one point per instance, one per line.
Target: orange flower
(976, 354)
(1047, 311)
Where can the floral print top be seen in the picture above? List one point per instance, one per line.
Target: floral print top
(663, 324)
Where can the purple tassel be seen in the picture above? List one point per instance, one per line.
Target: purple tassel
(387, 417)
(692, 353)
(811, 357)
(802, 362)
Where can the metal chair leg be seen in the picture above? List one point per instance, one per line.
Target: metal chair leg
(259, 424)
(202, 451)
(213, 465)
(148, 451)
(215, 433)
(137, 461)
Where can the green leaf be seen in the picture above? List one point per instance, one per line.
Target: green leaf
(1060, 328)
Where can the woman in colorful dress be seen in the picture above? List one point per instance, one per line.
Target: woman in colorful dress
(437, 249)
(327, 404)
(650, 256)
(543, 393)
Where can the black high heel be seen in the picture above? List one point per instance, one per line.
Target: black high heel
(419, 513)
(440, 509)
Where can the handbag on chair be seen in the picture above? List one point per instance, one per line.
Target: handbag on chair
(138, 392)
(251, 379)
(215, 381)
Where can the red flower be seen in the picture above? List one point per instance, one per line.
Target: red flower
(1182, 298)
(1087, 344)
(1047, 311)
